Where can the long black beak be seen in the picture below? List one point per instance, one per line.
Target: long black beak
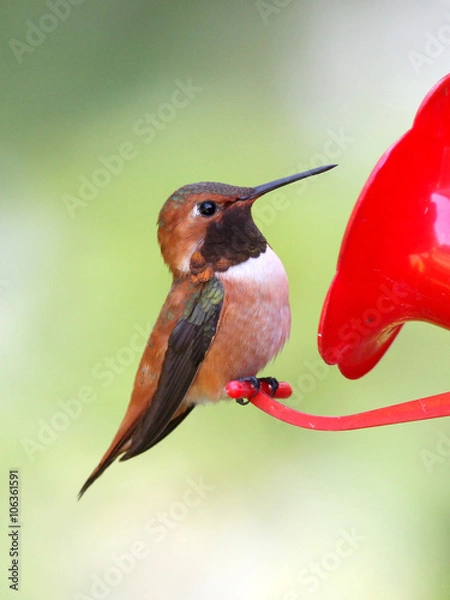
(273, 185)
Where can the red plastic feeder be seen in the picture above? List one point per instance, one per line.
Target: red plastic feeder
(394, 264)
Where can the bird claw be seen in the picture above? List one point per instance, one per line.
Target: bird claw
(243, 401)
(272, 383)
(255, 382)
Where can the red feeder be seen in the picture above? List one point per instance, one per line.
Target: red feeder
(394, 263)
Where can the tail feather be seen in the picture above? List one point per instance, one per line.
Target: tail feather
(123, 445)
(111, 454)
(159, 435)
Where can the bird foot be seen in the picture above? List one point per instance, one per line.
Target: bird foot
(255, 382)
(272, 383)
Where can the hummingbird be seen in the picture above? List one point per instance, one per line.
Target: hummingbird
(226, 316)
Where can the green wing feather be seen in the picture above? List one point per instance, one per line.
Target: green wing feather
(187, 346)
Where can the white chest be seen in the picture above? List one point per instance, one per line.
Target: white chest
(261, 271)
(258, 305)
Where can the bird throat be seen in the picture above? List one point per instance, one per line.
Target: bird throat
(228, 242)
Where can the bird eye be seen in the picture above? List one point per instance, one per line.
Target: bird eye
(207, 208)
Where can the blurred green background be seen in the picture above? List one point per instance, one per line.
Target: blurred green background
(234, 504)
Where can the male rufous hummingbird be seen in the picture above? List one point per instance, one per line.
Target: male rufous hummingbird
(226, 316)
